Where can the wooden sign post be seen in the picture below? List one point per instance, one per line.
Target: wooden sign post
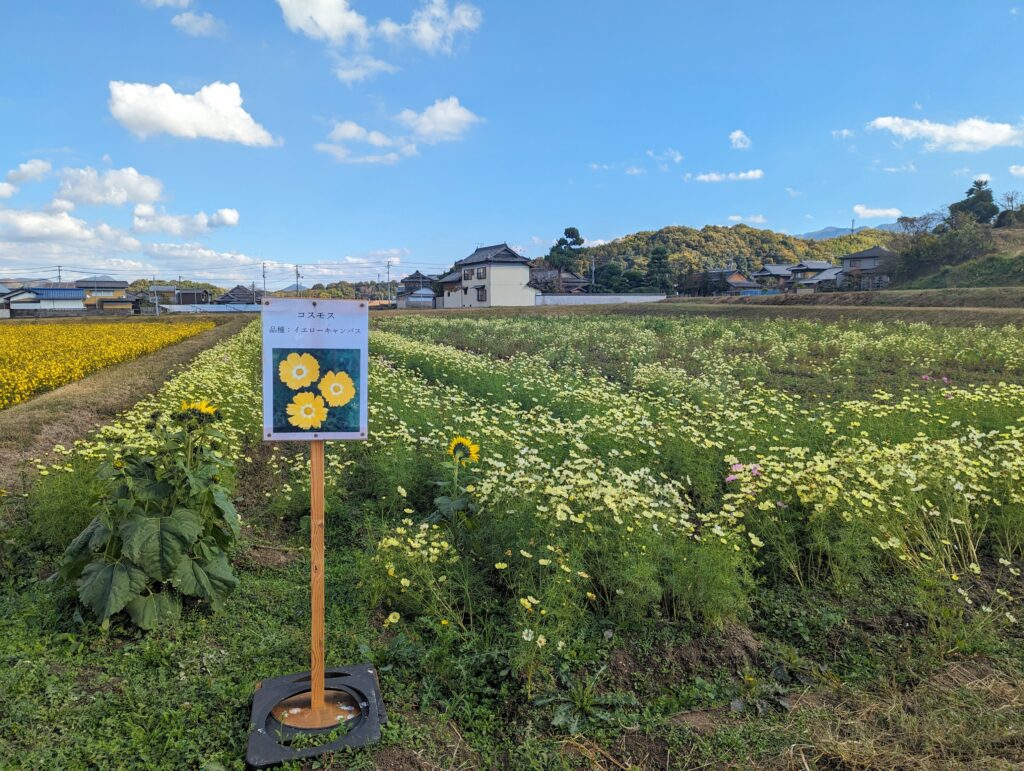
(314, 390)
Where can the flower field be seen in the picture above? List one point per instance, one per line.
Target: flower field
(40, 357)
(564, 528)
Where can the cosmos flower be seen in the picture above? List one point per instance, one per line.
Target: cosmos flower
(298, 370)
(307, 411)
(337, 388)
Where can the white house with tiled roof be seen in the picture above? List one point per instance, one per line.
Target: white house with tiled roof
(492, 276)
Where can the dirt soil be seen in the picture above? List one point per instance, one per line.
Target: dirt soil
(31, 429)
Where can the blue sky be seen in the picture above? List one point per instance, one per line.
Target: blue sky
(206, 137)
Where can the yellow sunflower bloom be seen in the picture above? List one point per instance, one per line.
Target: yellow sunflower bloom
(299, 370)
(337, 388)
(307, 411)
(463, 450)
(203, 407)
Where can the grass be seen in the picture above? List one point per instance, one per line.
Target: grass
(809, 677)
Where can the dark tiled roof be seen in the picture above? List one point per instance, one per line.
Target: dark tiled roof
(100, 282)
(830, 274)
(874, 251)
(775, 270)
(813, 265)
(455, 275)
(495, 253)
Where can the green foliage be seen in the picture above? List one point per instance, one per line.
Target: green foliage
(978, 204)
(163, 527)
(566, 254)
(581, 705)
(623, 265)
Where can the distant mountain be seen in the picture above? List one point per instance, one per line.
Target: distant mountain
(832, 232)
(295, 288)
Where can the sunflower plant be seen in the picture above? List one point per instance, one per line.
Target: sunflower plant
(165, 526)
(455, 506)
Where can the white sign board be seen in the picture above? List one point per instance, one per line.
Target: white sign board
(314, 369)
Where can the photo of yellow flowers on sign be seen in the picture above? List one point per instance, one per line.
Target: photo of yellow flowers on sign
(315, 390)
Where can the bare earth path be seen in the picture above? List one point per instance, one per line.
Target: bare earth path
(30, 430)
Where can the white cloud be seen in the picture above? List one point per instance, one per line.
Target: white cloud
(635, 171)
(670, 154)
(60, 204)
(351, 131)
(59, 227)
(732, 176)
(793, 192)
(167, 3)
(1017, 171)
(114, 187)
(199, 24)
(348, 131)
(755, 219)
(434, 26)
(842, 133)
(7, 189)
(971, 135)
(343, 154)
(444, 121)
(330, 20)
(908, 167)
(362, 67)
(213, 112)
(599, 166)
(739, 140)
(30, 171)
(868, 213)
(147, 219)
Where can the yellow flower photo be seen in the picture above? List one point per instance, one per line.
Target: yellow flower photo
(299, 370)
(307, 411)
(337, 388)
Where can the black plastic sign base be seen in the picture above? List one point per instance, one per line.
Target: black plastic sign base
(269, 739)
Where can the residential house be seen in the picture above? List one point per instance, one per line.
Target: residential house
(191, 297)
(424, 297)
(554, 281)
(829, 279)
(51, 299)
(491, 276)
(868, 269)
(103, 293)
(717, 282)
(774, 276)
(241, 295)
(808, 269)
(414, 284)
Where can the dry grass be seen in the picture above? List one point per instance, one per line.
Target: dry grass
(970, 715)
(32, 429)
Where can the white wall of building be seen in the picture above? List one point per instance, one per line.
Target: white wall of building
(505, 285)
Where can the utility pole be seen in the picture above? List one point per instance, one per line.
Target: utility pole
(297, 277)
(58, 274)
(389, 282)
(253, 290)
(264, 277)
